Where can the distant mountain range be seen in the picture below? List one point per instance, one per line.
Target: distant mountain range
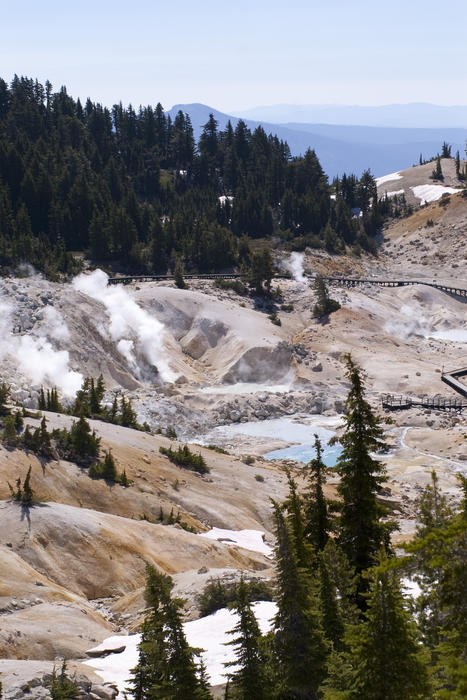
(345, 148)
(415, 115)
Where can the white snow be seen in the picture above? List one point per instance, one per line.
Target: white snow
(388, 178)
(394, 193)
(208, 633)
(431, 193)
(410, 588)
(248, 539)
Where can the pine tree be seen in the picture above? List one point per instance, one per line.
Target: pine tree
(437, 173)
(4, 397)
(332, 618)
(383, 656)
(42, 404)
(178, 275)
(108, 469)
(62, 687)
(166, 667)
(9, 437)
(360, 531)
(316, 512)
(293, 505)
(248, 679)
(28, 494)
(45, 444)
(299, 642)
(324, 304)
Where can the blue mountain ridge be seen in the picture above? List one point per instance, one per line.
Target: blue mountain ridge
(344, 148)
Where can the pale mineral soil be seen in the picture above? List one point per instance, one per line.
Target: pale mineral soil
(73, 567)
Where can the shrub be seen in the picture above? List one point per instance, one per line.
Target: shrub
(183, 457)
(287, 307)
(275, 319)
(217, 595)
(236, 286)
(216, 448)
(430, 223)
(259, 477)
(249, 459)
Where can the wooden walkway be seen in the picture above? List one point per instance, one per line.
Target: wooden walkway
(452, 380)
(458, 292)
(438, 403)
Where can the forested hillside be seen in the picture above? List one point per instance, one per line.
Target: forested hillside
(133, 189)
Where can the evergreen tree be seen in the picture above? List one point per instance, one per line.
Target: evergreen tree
(383, 656)
(127, 414)
(316, 511)
(360, 531)
(332, 618)
(109, 470)
(42, 404)
(299, 642)
(324, 304)
(261, 271)
(84, 444)
(62, 687)
(247, 680)
(4, 397)
(437, 173)
(9, 437)
(178, 275)
(166, 667)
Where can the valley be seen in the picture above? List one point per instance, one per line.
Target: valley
(210, 364)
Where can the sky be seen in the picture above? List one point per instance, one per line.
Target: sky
(242, 54)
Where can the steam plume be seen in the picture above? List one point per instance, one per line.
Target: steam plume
(135, 332)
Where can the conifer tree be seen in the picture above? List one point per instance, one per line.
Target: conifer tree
(248, 679)
(437, 173)
(9, 437)
(324, 305)
(383, 655)
(360, 531)
(332, 618)
(109, 470)
(4, 396)
(178, 275)
(42, 404)
(62, 687)
(166, 667)
(316, 510)
(299, 642)
(293, 505)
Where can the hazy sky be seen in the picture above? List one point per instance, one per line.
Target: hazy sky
(243, 53)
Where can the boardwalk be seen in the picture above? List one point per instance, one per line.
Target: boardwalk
(452, 379)
(438, 403)
(458, 292)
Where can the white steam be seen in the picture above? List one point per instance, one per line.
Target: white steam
(294, 265)
(56, 326)
(135, 332)
(410, 322)
(35, 358)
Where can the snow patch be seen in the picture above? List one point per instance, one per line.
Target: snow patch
(388, 178)
(248, 539)
(394, 193)
(431, 193)
(208, 633)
